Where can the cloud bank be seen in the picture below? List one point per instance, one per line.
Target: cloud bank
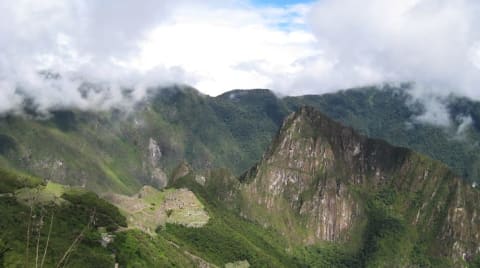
(214, 45)
(434, 43)
(76, 41)
(218, 45)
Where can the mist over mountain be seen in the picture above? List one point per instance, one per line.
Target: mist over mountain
(293, 49)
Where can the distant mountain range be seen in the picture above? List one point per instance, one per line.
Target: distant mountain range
(242, 179)
(122, 151)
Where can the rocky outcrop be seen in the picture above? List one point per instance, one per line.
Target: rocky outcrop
(309, 168)
(158, 177)
(311, 183)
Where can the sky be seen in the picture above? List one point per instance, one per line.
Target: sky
(292, 47)
(279, 3)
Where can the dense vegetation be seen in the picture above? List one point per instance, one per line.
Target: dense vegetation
(389, 239)
(50, 233)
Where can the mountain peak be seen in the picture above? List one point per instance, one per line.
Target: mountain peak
(309, 117)
(358, 153)
(320, 180)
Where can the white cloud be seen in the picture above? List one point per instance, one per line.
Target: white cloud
(435, 110)
(464, 123)
(230, 48)
(125, 43)
(431, 42)
(78, 39)
(220, 45)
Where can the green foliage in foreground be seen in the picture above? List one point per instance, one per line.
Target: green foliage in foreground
(67, 233)
(67, 225)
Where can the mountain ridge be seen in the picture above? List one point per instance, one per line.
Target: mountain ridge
(318, 182)
(183, 124)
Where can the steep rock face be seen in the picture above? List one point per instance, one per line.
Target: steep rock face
(158, 177)
(315, 182)
(309, 168)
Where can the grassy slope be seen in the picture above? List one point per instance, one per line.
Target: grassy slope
(70, 218)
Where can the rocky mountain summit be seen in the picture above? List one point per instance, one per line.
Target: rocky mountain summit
(321, 181)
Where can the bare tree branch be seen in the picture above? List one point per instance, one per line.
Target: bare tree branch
(32, 201)
(76, 241)
(48, 240)
(39, 231)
